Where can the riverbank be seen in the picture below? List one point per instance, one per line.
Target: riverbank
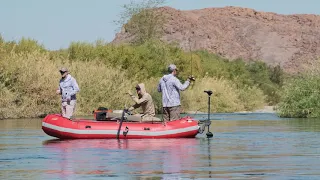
(265, 109)
(105, 73)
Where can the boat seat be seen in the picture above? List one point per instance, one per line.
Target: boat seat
(154, 119)
(135, 118)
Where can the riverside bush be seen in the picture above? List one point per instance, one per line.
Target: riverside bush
(253, 74)
(29, 77)
(300, 97)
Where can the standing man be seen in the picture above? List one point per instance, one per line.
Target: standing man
(68, 88)
(170, 87)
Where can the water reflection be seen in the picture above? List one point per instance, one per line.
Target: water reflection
(21, 124)
(143, 158)
(240, 149)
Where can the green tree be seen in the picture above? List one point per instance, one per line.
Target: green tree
(142, 20)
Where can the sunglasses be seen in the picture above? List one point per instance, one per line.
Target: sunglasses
(62, 72)
(138, 89)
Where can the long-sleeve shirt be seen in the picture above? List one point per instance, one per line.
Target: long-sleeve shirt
(68, 88)
(170, 87)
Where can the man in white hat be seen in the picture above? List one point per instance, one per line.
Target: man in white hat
(170, 87)
(68, 88)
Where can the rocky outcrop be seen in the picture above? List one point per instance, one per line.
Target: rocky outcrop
(292, 41)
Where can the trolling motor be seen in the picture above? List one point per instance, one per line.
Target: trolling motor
(125, 132)
(208, 122)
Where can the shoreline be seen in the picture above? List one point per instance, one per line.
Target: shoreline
(265, 109)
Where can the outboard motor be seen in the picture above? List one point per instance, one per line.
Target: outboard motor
(201, 127)
(207, 122)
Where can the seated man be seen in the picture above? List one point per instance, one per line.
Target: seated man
(144, 100)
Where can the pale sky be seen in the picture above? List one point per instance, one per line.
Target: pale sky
(56, 23)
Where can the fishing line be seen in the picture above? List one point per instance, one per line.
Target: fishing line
(191, 56)
(191, 62)
(161, 104)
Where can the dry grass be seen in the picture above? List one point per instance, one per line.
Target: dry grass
(226, 97)
(32, 80)
(29, 79)
(30, 84)
(101, 85)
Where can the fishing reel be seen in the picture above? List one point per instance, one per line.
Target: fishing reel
(191, 78)
(128, 112)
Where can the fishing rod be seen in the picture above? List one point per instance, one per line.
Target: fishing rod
(190, 55)
(161, 104)
(191, 62)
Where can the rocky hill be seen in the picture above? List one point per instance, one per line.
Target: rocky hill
(292, 41)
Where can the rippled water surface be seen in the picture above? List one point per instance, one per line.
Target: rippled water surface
(244, 146)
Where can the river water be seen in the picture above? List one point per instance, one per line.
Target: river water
(244, 146)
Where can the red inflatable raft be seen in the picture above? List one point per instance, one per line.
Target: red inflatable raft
(57, 126)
